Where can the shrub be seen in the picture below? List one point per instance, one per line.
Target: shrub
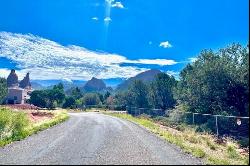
(13, 124)
(244, 142)
(231, 151)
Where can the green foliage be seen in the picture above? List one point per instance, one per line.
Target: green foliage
(101, 97)
(39, 98)
(198, 152)
(49, 98)
(157, 94)
(244, 142)
(232, 153)
(70, 102)
(107, 94)
(217, 82)
(3, 89)
(161, 91)
(13, 124)
(138, 92)
(199, 145)
(76, 93)
(91, 99)
(123, 98)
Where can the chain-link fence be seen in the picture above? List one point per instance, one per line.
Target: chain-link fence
(218, 124)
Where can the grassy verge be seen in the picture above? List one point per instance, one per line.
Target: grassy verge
(15, 125)
(204, 146)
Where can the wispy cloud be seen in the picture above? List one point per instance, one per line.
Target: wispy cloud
(165, 44)
(95, 18)
(161, 62)
(193, 59)
(46, 59)
(107, 19)
(118, 5)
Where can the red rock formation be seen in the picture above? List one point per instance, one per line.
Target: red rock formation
(12, 79)
(94, 85)
(25, 83)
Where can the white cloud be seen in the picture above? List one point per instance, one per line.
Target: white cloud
(45, 59)
(95, 18)
(118, 5)
(110, 1)
(161, 62)
(193, 59)
(107, 19)
(165, 44)
(173, 73)
(67, 80)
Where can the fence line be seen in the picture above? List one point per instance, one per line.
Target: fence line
(219, 124)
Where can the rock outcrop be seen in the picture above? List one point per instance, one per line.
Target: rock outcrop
(12, 79)
(25, 83)
(95, 85)
(146, 77)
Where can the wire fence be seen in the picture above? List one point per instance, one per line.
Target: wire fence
(220, 125)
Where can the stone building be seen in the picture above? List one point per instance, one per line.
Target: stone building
(18, 92)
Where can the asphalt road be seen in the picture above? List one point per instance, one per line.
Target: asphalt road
(93, 138)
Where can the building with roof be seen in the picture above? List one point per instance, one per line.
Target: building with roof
(18, 92)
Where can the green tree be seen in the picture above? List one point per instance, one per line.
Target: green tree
(3, 89)
(106, 95)
(76, 93)
(138, 92)
(70, 102)
(57, 93)
(101, 97)
(39, 98)
(91, 99)
(123, 98)
(49, 98)
(161, 91)
(217, 82)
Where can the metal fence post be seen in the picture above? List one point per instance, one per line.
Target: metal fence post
(216, 123)
(193, 118)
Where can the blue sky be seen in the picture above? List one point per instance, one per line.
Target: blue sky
(78, 39)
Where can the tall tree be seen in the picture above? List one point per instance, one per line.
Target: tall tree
(91, 99)
(161, 91)
(139, 94)
(217, 82)
(3, 89)
(76, 93)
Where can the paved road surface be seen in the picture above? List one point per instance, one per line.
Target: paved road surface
(93, 138)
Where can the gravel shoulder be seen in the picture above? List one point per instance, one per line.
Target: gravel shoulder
(94, 138)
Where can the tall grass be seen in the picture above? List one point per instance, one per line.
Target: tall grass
(200, 145)
(15, 125)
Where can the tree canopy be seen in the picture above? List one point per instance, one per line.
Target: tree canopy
(217, 82)
(3, 89)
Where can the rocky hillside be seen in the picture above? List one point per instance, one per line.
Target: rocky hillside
(146, 76)
(95, 85)
(25, 83)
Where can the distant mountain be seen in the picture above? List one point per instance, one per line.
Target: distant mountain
(146, 76)
(113, 82)
(94, 85)
(49, 84)
(37, 86)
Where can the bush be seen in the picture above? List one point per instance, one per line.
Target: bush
(13, 124)
(244, 142)
(69, 103)
(232, 153)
